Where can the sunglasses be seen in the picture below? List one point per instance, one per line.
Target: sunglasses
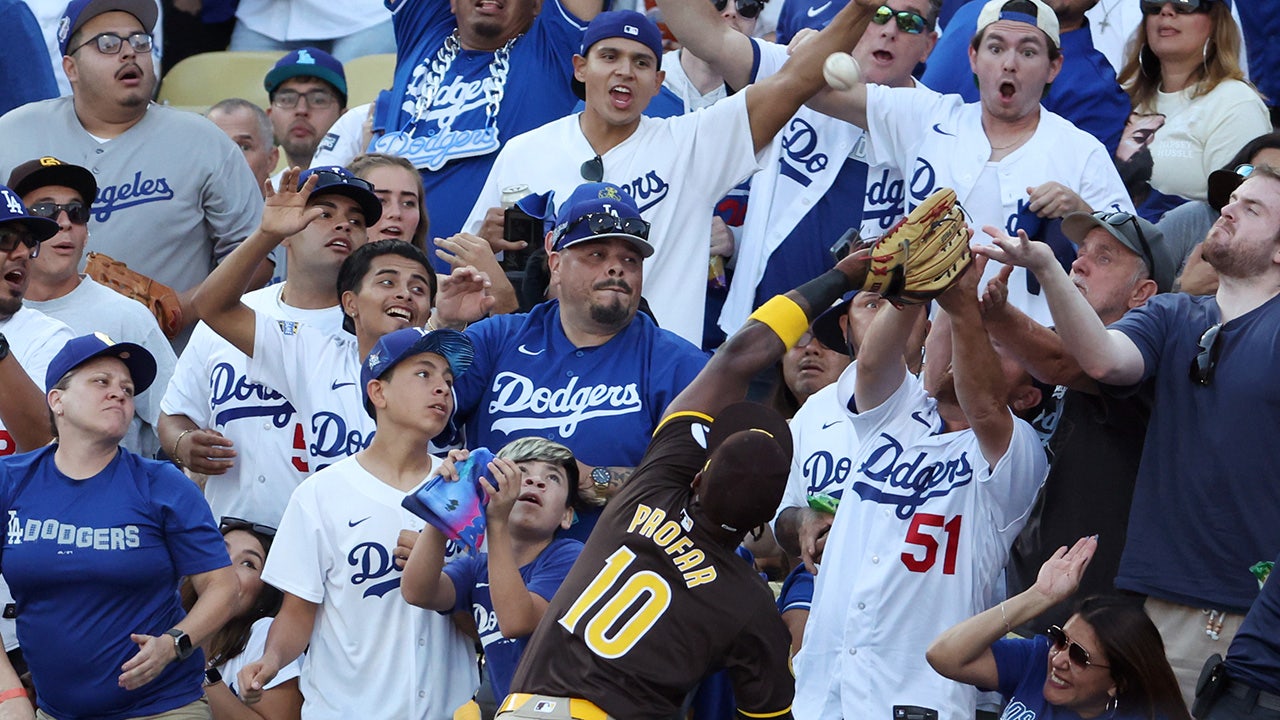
(110, 43)
(316, 99)
(1181, 7)
(601, 223)
(1120, 219)
(327, 178)
(1206, 360)
(11, 237)
(592, 170)
(908, 22)
(746, 8)
(1244, 170)
(1076, 654)
(77, 212)
(234, 523)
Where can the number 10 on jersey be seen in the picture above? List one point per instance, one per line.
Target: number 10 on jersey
(609, 632)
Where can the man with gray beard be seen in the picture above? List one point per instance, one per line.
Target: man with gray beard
(585, 369)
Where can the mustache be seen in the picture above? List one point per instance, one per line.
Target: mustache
(606, 284)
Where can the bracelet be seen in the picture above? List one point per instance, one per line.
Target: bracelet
(1007, 630)
(10, 694)
(181, 435)
(784, 317)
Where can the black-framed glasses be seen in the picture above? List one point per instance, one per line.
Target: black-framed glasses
(1203, 364)
(1076, 654)
(1120, 219)
(746, 8)
(327, 178)
(603, 222)
(1182, 7)
(77, 212)
(317, 99)
(592, 170)
(11, 237)
(227, 524)
(110, 43)
(908, 22)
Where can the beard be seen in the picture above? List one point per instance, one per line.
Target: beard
(615, 314)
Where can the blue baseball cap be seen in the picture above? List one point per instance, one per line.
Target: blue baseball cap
(79, 12)
(626, 24)
(13, 212)
(392, 348)
(78, 351)
(308, 62)
(600, 210)
(337, 180)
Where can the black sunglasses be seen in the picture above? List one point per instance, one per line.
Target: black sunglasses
(746, 8)
(1182, 7)
(908, 22)
(77, 212)
(1206, 360)
(1120, 219)
(10, 237)
(1076, 654)
(327, 178)
(592, 170)
(110, 43)
(234, 523)
(600, 223)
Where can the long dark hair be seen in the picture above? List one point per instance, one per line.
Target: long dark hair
(230, 640)
(1145, 683)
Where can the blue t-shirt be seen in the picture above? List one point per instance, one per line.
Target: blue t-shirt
(1201, 507)
(1023, 665)
(470, 576)
(1254, 656)
(26, 75)
(91, 561)
(797, 590)
(455, 160)
(1085, 91)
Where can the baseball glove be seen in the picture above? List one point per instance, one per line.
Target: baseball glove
(923, 255)
(159, 298)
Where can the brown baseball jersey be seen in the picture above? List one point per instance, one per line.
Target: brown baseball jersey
(656, 601)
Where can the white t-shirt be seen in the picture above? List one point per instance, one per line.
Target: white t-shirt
(289, 20)
(253, 650)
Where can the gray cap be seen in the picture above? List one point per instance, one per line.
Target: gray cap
(1140, 236)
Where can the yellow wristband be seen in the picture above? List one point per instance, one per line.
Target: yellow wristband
(784, 317)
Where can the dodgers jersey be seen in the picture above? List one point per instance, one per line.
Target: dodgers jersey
(676, 169)
(919, 543)
(454, 145)
(938, 141)
(372, 654)
(824, 442)
(797, 15)
(211, 386)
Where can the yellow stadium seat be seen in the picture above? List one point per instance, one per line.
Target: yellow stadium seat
(201, 80)
(367, 75)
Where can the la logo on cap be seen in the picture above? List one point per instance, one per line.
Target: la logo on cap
(631, 29)
(12, 202)
(304, 58)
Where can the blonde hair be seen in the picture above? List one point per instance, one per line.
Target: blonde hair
(1141, 77)
(360, 166)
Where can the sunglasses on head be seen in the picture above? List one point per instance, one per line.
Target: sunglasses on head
(1181, 7)
(234, 523)
(110, 43)
(77, 212)
(908, 22)
(1120, 219)
(11, 237)
(1203, 364)
(1076, 654)
(327, 178)
(601, 223)
(746, 8)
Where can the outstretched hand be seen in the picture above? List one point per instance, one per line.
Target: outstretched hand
(285, 212)
(1060, 575)
(464, 296)
(1020, 251)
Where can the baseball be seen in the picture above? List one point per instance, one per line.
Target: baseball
(841, 71)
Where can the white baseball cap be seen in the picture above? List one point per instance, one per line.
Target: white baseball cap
(1031, 12)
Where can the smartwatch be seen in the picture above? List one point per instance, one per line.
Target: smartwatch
(600, 477)
(212, 677)
(181, 643)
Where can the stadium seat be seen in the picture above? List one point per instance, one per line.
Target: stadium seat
(367, 75)
(201, 80)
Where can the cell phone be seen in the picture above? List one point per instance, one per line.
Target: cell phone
(520, 226)
(844, 244)
(914, 712)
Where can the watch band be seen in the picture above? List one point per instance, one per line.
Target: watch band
(181, 643)
(212, 677)
(4, 346)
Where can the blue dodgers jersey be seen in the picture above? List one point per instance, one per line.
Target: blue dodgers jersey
(799, 14)
(455, 161)
(470, 576)
(91, 561)
(603, 403)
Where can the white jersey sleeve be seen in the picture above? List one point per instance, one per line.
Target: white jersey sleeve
(342, 143)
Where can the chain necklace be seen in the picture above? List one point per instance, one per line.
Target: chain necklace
(430, 75)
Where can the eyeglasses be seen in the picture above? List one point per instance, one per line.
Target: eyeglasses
(326, 178)
(1076, 654)
(110, 43)
(234, 523)
(316, 99)
(600, 223)
(1182, 7)
(592, 170)
(10, 237)
(1120, 219)
(908, 22)
(746, 8)
(77, 212)
(1206, 360)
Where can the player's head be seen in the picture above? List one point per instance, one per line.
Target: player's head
(408, 378)
(1121, 261)
(106, 53)
(90, 385)
(308, 92)
(1015, 55)
(484, 25)
(20, 236)
(64, 194)
(250, 129)
(619, 68)
(550, 472)
(318, 250)
(741, 15)
(748, 459)
(398, 185)
(598, 247)
(1244, 243)
(384, 286)
(901, 35)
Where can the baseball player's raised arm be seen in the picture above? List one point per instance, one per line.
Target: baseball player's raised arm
(698, 27)
(772, 101)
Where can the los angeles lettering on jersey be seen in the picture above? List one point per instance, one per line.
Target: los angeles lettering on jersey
(690, 561)
(88, 538)
(127, 195)
(562, 408)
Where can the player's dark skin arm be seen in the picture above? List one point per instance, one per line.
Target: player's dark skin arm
(24, 410)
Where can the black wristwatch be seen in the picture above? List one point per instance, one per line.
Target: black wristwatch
(212, 677)
(181, 643)
(601, 477)
(4, 346)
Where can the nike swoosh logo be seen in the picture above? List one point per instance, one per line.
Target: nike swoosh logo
(353, 523)
(480, 584)
(814, 12)
(337, 384)
(937, 127)
(827, 425)
(527, 351)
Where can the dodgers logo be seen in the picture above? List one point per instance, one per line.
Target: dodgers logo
(892, 477)
(1016, 710)
(799, 145)
(519, 404)
(372, 562)
(251, 399)
(12, 202)
(130, 194)
(332, 439)
(433, 141)
(304, 57)
(885, 198)
(822, 470)
(924, 180)
(14, 529)
(1022, 219)
(647, 190)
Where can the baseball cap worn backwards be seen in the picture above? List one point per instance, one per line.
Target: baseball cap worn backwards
(1031, 12)
(80, 350)
(337, 180)
(308, 62)
(601, 210)
(393, 348)
(46, 171)
(626, 24)
(79, 12)
(1141, 237)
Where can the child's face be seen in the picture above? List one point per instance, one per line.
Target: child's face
(544, 493)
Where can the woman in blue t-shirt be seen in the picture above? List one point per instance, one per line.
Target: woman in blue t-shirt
(1107, 661)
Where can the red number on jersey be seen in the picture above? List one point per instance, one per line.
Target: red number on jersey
(929, 542)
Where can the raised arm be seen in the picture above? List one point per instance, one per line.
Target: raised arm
(1034, 346)
(24, 412)
(585, 10)
(881, 364)
(423, 584)
(699, 28)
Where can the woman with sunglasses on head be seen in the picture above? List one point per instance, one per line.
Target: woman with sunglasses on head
(1183, 63)
(244, 637)
(1107, 661)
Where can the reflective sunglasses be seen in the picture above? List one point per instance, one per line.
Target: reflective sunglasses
(908, 22)
(326, 178)
(1076, 654)
(592, 170)
(1120, 219)
(1206, 360)
(234, 523)
(77, 212)
(316, 99)
(1244, 170)
(110, 43)
(10, 237)
(1181, 7)
(746, 8)
(601, 223)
